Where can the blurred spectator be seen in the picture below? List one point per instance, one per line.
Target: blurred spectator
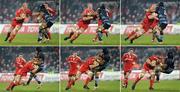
(144, 52)
(85, 52)
(133, 11)
(9, 54)
(8, 8)
(71, 9)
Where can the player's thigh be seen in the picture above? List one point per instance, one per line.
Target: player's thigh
(142, 73)
(17, 78)
(89, 73)
(127, 73)
(16, 29)
(78, 74)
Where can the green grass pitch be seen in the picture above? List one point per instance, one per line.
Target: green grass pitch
(146, 40)
(46, 87)
(86, 39)
(104, 86)
(162, 86)
(29, 40)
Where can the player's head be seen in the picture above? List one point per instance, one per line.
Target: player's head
(170, 55)
(46, 5)
(152, 8)
(36, 60)
(161, 4)
(105, 51)
(131, 51)
(74, 54)
(102, 6)
(89, 6)
(25, 5)
(21, 56)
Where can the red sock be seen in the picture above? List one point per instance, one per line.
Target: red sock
(131, 34)
(151, 83)
(126, 81)
(87, 81)
(49, 35)
(10, 86)
(69, 84)
(11, 38)
(135, 37)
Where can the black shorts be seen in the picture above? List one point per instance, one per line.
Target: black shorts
(49, 24)
(106, 25)
(168, 71)
(162, 26)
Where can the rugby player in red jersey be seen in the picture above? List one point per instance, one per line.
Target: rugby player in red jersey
(29, 66)
(149, 22)
(129, 59)
(86, 68)
(74, 62)
(87, 15)
(149, 67)
(19, 63)
(21, 15)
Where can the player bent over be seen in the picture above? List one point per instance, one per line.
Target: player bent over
(40, 56)
(129, 59)
(87, 16)
(97, 70)
(148, 67)
(86, 67)
(29, 66)
(103, 23)
(149, 22)
(167, 67)
(21, 15)
(74, 62)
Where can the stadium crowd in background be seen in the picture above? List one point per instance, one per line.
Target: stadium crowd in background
(70, 13)
(133, 11)
(8, 56)
(144, 52)
(87, 52)
(8, 8)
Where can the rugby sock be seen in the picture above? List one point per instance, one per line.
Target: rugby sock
(126, 81)
(11, 38)
(70, 35)
(87, 81)
(49, 34)
(70, 82)
(36, 78)
(45, 33)
(151, 83)
(99, 34)
(135, 37)
(30, 78)
(8, 35)
(40, 35)
(131, 34)
(96, 81)
(74, 37)
(10, 86)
